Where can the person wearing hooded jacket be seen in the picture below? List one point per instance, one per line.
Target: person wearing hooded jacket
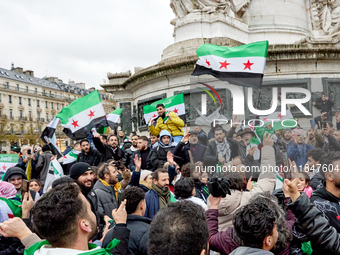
(16, 175)
(158, 154)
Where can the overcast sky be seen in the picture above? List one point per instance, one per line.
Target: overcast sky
(83, 40)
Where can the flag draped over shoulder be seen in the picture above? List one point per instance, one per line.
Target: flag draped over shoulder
(71, 157)
(82, 115)
(172, 104)
(242, 65)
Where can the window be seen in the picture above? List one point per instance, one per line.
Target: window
(20, 114)
(11, 113)
(29, 102)
(55, 95)
(47, 117)
(38, 103)
(10, 99)
(50, 93)
(74, 97)
(46, 103)
(26, 89)
(52, 117)
(20, 101)
(44, 92)
(0, 97)
(52, 105)
(57, 103)
(38, 117)
(7, 85)
(36, 91)
(62, 106)
(17, 87)
(61, 96)
(30, 115)
(69, 97)
(22, 128)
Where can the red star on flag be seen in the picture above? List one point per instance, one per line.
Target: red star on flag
(176, 110)
(91, 114)
(224, 64)
(280, 116)
(4, 167)
(65, 156)
(207, 62)
(106, 116)
(248, 65)
(265, 119)
(251, 127)
(75, 123)
(154, 116)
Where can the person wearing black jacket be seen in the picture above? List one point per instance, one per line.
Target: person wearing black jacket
(325, 106)
(197, 150)
(109, 150)
(89, 155)
(219, 150)
(143, 152)
(83, 175)
(138, 225)
(324, 238)
(129, 153)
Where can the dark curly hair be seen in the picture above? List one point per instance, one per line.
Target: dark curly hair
(316, 154)
(183, 188)
(285, 235)
(133, 196)
(180, 228)
(253, 222)
(56, 213)
(327, 162)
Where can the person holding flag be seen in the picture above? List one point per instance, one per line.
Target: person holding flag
(167, 121)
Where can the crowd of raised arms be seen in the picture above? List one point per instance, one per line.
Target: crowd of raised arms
(136, 194)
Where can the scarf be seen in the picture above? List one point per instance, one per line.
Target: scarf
(145, 183)
(117, 187)
(223, 149)
(164, 196)
(93, 250)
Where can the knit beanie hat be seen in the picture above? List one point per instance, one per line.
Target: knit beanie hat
(78, 169)
(144, 174)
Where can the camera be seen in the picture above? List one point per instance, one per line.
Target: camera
(219, 186)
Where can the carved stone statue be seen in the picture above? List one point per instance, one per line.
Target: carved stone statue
(232, 8)
(325, 18)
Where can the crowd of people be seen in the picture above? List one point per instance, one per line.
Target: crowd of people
(132, 194)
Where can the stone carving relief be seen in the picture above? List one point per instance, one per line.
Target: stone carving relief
(325, 16)
(232, 8)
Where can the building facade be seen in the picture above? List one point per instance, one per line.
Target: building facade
(28, 104)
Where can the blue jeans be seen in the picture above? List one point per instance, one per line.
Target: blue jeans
(177, 139)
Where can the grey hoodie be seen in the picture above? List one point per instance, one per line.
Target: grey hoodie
(250, 251)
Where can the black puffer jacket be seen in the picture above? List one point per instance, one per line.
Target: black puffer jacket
(107, 151)
(139, 233)
(93, 158)
(329, 205)
(324, 238)
(197, 151)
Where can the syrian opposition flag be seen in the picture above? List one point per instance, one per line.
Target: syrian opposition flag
(9, 208)
(48, 136)
(81, 115)
(71, 157)
(172, 104)
(242, 65)
(55, 171)
(110, 120)
(279, 121)
(7, 161)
